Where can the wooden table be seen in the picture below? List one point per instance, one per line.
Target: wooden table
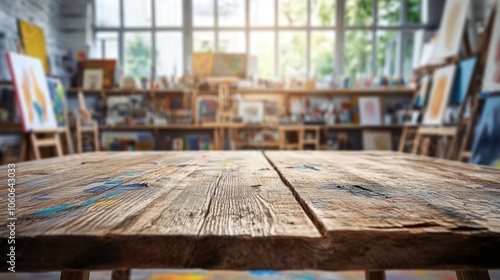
(252, 210)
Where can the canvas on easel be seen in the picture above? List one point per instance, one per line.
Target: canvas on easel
(439, 95)
(33, 97)
(485, 149)
(491, 80)
(60, 105)
(34, 102)
(451, 29)
(423, 91)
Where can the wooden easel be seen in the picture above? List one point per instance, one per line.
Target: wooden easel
(466, 126)
(85, 125)
(42, 138)
(425, 136)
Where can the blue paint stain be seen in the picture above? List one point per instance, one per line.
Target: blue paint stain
(304, 277)
(132, 187)
(260, 273)
(102, 188)
(56, 209)
(132, 174)
(40, 198)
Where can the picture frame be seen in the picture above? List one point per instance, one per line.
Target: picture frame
(93, 79)
(369, 111)
(251, 112)
(439, 96)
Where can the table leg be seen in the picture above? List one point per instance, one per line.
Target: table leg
(121, 274)
(75, 275)
(375, 275)
(473, 275)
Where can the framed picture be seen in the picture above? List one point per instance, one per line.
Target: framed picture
(491, 80)
(369, 111)
(93, 79)
(251, 112)
(108, 67)
(59, 101)
(423, 91)
(203, 64)
(207, 109)
(440, 95)
(32, 92)
(485, 149)
(451, 30)
(230, 65)
(374, 140)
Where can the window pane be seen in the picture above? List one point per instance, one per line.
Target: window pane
(358, 12)
(262, 13)
(415, 11)
(262, 45)
(357, 54)
(292, 12)
(108, 42)
(169, 53)
(387, 42)
(168, 12)
(231, 12)
(408, 37)
(389, 12)
(137, 13)
(322, 48)
(323, 12)
(138, 54)
(107, 13)
(203, 41)
(292, 47)
(203, 13)
(232, 42)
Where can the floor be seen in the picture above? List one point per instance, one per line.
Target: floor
(250, 275)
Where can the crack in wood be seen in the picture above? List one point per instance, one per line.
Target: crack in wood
(309, 212)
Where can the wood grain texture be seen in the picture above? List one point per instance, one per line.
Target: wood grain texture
(249, 210)
(391, 210)
(155, 209)
(473, 275)
(75, 275)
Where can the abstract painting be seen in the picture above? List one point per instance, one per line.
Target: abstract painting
(369, 111)
(486, 148)
(251, 112)
(203, 64)
(377, 140)
(451, 29)
(440, 94)
(207, 109)
(59, 101)
(230, 65)
(32, 92)
(463, 79)
(422, 91)
(491, 80)
(33, 38)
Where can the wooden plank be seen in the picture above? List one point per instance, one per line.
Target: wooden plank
(369, 204)
(121, 274)
(473, 275)
(205, 209)
(75, 275)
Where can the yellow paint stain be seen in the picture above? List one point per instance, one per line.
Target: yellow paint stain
(176, 277)
(20, 189)
(106, 202)
(227, 164)
(497, 164)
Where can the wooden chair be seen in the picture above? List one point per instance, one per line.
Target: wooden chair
(85, 125)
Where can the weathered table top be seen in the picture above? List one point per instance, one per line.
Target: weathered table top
(253, 210)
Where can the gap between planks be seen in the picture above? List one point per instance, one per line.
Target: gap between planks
(309, 212)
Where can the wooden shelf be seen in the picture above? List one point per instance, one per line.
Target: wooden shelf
(338, 91)
(128, 91)
(157, 127)
(258, 145)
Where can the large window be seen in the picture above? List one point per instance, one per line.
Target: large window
(285, 38)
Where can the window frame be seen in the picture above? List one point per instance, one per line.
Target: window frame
(339, 28)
